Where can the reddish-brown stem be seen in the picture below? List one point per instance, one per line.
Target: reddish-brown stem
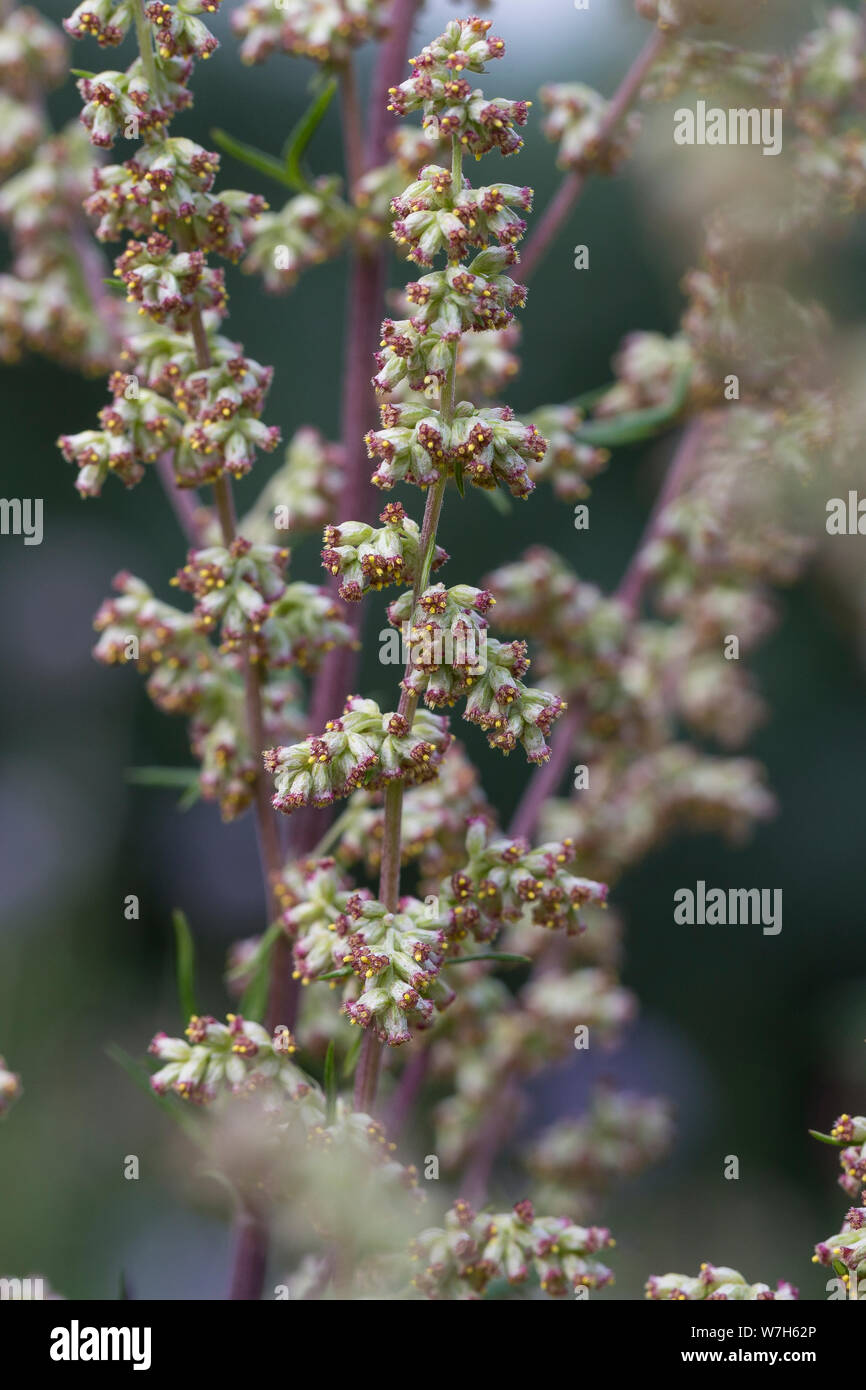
(183, 501)
(367, 1073)
(390, 70)
(564, 200)
(353, 135)
(249, 1259)
(406, 1092)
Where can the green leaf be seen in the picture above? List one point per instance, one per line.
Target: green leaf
(256, 159)
(638, 424)
(331, 1083)
(840, 1269)
(826, 1139)
(116, 285)
(335, 975)
(300, 137)
(458, 477)
(352, 1055)
(503, 957)
(255, 996)
(190, 796)
(82, 72)
(161, 776)
(185, 956)
(170, 1105)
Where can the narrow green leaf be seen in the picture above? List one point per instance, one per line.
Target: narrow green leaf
(638, 424)
(352, 1055)
(190, 796)
(458, 477)
(300, 137)
(259, 160)
(116, 285)
(139, 1074)
(185, 958)
(331, 1083)
(840, 1269)
(82, 72)
(255, 996)
(335, 975)
(503, 957)
(826, 1138)
(161, 776)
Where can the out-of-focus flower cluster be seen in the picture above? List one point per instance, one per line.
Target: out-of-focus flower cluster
(300, 495)
(574, 1162)
(46, 304)
(716, 1284)
(576, 122)
(188, 676)
(325, 30)
(309, 229)
(459, 1261)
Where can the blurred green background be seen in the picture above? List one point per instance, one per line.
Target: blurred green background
(755, 1038)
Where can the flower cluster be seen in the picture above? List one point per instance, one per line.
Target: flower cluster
(309, 229)
(438, 214)
(364, 747)
(488, 446)
(433, 832)
(569, 463)
(188, 676)
(235, 587)
(503, 880)
(447, 303)
(576, 122)
(452, 107)
(300, 495)
(368, 557)
(237, 1057)
(136, 428)
(847, 1247)
(46, 305)
(673, 15)
(575, 1161)
(462, 1258)
(716, 1284)
(446, 639)
(325, 30)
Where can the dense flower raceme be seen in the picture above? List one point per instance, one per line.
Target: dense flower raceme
(451, 106)
(210, 396)
(715, 1284)
(487, 446)
(459, 1260)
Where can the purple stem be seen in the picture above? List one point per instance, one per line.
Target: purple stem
(573, 184)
